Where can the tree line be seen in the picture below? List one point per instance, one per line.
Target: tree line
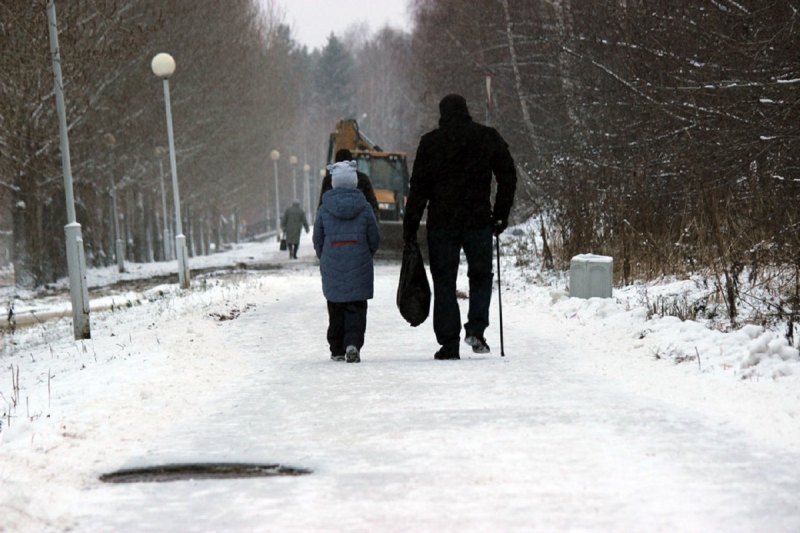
(243, 87)
(661, 133)
(117, 125)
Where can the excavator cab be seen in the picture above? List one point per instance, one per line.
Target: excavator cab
(389, 175)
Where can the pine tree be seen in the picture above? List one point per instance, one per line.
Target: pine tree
(334, 81)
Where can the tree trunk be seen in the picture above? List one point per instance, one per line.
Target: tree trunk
(151, 225)
(563, 15)
(216, 221)
(523, 103)
(188, 226)
(139, 228)
(25, 271)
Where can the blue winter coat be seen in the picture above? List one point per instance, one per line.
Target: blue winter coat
(346, 236)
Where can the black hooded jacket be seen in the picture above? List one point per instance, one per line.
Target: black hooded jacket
(453, 170)
(364, 185)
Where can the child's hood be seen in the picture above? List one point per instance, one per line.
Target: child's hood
(344, 203)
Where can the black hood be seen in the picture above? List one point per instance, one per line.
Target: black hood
(453, 107)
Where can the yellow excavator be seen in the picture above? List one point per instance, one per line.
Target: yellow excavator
(388, 172)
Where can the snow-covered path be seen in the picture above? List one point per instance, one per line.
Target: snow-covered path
(560, 435)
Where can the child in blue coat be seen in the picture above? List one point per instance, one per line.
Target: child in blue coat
(346, 237)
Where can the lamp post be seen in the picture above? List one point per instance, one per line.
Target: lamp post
(163, 66)
(160, 152)
(76, 260)
(307, 193)
(119, 246)
(275, 155)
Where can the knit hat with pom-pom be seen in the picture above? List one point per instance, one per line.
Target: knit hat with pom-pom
(343, 174)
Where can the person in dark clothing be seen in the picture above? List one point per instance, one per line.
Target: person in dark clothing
(346, 236)
(294, 220)
(364, 183)
(452, 178)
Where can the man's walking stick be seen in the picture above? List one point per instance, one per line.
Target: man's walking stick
(499, 298)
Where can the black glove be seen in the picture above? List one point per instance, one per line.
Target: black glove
(499, 226)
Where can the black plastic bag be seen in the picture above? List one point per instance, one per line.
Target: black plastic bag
(283, 244)
(413, 291)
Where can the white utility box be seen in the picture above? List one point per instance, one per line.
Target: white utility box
(591, 276)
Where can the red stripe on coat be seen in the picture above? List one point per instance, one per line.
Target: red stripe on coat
(339, 243)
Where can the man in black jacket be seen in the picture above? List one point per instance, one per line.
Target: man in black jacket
(452, 177)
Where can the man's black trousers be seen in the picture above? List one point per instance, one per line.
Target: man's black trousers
(444, 252)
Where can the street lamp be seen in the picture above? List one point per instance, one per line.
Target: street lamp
(119, 246)
(163, 66)
(275, 155)
(76, 260)
(293, 162)
(160, 151)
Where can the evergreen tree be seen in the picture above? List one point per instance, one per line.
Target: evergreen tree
(334, 82)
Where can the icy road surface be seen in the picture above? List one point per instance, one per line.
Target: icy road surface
(569, 432)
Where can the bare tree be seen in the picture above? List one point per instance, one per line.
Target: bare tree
(229, 108)
(658, 133)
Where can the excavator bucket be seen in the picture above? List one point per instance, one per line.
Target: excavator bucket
(392, 241)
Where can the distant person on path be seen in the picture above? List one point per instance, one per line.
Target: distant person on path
(452, 177)
(294, 219)
(345, 238)
(364, 183)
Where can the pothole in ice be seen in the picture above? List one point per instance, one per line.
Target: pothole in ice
(186, 471)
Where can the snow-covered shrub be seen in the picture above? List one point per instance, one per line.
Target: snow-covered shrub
(767, 345)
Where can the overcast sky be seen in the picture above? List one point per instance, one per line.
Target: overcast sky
(313, 20)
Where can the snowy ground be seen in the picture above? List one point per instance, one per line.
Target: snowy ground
(595, 420)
